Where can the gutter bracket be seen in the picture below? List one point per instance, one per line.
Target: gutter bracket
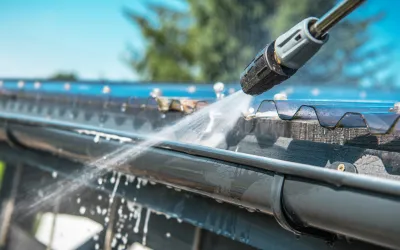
(277, 208)
(286, 222)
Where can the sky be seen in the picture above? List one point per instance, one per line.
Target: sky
(91, 37)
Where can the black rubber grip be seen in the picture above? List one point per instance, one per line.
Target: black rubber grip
(264, 72)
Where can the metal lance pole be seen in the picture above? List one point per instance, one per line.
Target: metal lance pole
(332, 17)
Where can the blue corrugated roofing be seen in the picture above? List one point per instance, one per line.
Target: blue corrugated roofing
(378, 117)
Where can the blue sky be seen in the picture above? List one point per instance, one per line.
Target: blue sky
(41, 37)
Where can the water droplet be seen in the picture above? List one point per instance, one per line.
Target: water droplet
(100, 181)
(54, 174)
(152, 183)
(138, 215)
(112, 179)
(98, 209)
(131, 178)
(123, 107)
(82, 210)
(114, 242)
(96, 237)
(125, 238)
(99, 197)
(250, 210)
(97, 246)
(106, 219)
(168, 235)
(115, 188)
(146, 226)
(78, 200)
(104, 212)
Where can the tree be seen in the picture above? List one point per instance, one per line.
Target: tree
(64, 76)
(168, 55)
(215, 39)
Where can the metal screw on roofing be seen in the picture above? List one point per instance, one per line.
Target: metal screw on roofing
(36, 85)
(341, 167)
(156, 93)
(106, 90)
(67, 86)
(191, 89)
(219, 89)
(20, 84)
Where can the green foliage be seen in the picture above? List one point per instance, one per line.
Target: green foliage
(216, 39)
(64, 76)
(168, 55)
(2, 170)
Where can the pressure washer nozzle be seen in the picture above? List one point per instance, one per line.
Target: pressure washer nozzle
(281, 59)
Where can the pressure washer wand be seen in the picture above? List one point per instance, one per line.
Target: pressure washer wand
(281, 59)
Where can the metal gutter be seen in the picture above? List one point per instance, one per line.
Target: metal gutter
(256, 229)
(336, 178)
(304, 199)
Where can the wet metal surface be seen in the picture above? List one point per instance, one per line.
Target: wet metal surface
(82, 125)
(133, 99)
(378, 117)
(195, 169)
(255, 229)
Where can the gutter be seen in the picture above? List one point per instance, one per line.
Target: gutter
(304, 199)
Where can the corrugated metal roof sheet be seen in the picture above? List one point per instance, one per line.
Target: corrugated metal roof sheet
(378, 117)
